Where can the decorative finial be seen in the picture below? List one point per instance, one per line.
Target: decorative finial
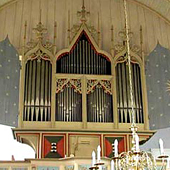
(98, 32)
(25, 33)
(112, 40)
(55, 31)
(40, 30)
(25, 30)
(141, 35)
(40, 16)
(83, 13)
(55, 36)
(69, 27)
(141, 42)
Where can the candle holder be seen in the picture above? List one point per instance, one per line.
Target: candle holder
(115, 158)
(94, 168)
(163, 156)
(99, 164)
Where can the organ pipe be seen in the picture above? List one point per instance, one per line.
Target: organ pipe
(99, 106)
(37, 97)
(123, 93)
(83, 59)
(69, 105)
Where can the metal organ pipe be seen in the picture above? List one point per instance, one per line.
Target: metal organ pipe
(37, 95)
(123, 98)
(98, 106)
(33, 82)
(70, 109)
(42, 90)
(26, 102)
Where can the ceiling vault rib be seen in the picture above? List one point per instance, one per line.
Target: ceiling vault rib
(7, 4)
(151, 9)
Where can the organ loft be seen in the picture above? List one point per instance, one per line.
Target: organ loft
(74, 91)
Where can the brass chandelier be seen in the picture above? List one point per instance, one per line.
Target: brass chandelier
(133, 159)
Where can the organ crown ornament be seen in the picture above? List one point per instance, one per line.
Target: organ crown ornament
(39, 47)
(83, 14)
(40, 30)
(121, 46)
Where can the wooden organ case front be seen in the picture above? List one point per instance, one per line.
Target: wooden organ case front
(77, 98)
(83, 59)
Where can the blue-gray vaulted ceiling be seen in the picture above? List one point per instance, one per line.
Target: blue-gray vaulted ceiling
(158, 87)
(9, 83)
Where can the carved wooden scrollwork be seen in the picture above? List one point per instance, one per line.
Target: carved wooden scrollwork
(93, 84)
(122, 46)
(73, 83)
(124, 58)
(39, 54)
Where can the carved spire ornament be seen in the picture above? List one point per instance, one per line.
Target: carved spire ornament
(39, 29)
(83, 14)
(39, 47)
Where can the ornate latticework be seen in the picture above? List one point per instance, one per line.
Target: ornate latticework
(123, 59)
(39, 54)
(73, 83)
(93, 84)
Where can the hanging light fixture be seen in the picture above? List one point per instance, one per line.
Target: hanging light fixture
(133, 159)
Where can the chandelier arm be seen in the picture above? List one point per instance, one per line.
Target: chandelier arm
(129, 63)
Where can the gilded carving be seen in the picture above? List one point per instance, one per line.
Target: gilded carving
(39, 54)
(73, 83)
(105, 84)
(122, 46)
(83, 14)
(39, 47)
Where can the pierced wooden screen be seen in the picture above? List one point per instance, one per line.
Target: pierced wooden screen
(37, 97)
(99, 101)
(123, 93)
(83, 59)
(68, 100)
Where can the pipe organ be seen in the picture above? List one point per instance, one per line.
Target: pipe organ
(37, 95)
(123, 93)
(79, 97)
